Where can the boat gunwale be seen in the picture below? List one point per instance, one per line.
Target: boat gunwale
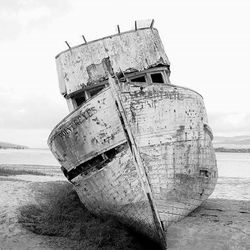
(106, 89)
(186, 88)
(88, 100)
(103, 38)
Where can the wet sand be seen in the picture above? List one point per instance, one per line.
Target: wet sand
(222, 222)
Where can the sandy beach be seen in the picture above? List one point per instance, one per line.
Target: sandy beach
(222, 222)
(17, 191)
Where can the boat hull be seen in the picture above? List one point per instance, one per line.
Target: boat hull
(171, 129)
(116, 190)
(169, 124)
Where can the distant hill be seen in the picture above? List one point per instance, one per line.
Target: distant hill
(236, 143)
(6, 145)
(232, 150)
(239, 140)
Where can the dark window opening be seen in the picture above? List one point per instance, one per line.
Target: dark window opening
(157, 78)
(139, 79)
(80, 99)
(95, 91)
(204, 173)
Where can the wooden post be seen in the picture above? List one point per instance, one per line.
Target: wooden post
(83, 37)
(138, 161)
(135, 25)
(152, 23)
(68, 45)
(118, 29)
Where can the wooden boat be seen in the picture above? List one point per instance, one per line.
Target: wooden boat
(134, 145)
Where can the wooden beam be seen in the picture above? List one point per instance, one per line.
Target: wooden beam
(137, 160)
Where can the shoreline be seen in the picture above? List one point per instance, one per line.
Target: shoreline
(231, 150)
(221, 222)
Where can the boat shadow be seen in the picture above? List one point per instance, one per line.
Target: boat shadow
(58, 213)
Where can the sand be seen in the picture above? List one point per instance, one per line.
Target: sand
(17, 191)
(222, 222)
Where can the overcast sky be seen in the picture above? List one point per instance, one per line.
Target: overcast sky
(207, 42)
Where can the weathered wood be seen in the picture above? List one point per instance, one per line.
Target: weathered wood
(153, 163)
(87, 132)
(168, 124)
(137, 161)
(129, 51)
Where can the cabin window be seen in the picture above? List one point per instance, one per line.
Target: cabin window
(138, 79)
(157, 78)
(84, 95)
(94, 91)
(80, 99)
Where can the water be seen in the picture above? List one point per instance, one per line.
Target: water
(233, 164)
(27, 156)
(229, 164)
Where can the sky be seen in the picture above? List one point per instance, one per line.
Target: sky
(206, 41)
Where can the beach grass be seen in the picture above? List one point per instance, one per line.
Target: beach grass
(11, 172)
(60, 213)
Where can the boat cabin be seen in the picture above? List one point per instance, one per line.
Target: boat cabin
(135, 56)
(157, 75)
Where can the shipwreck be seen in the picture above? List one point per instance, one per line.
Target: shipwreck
(134, 145)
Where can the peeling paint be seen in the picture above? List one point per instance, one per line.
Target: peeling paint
(169, 130)
(127, 52)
